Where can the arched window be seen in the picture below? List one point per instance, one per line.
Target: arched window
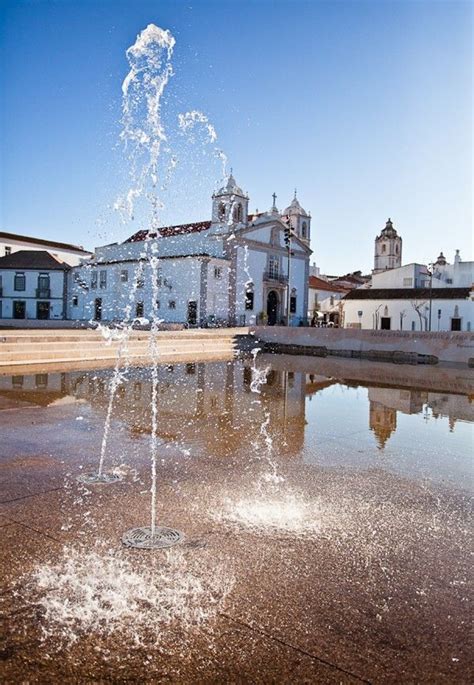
(238, 213)
(456, 311)
(396, 249)
(384, 247)
(249, 297)
(293, 301)
(385, 311)
(304, 228)
(221, 211)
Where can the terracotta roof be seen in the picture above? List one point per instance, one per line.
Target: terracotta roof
(320, 284)
(408, 294)
(42, 241)
(168, 231)
(351, 278)
(33, 259)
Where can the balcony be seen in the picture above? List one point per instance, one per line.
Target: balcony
(43, 293)
(275, 278)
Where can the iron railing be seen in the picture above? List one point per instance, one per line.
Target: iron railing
(275, 278)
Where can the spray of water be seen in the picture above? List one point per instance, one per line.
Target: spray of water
(154, 354)
(189, 121)
(143, 132)
(103, 594)
(119, 375)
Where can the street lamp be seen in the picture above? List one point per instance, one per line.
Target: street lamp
(288, 247)
(430, 271)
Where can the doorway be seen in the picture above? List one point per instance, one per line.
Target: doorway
(385, 323)
(455, 324)
(192, 313)
(42, 310)
(98, 309)
(272, 308)
(19, 309)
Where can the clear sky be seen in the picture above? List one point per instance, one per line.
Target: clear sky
(365, 107)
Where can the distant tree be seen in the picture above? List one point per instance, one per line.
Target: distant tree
(420, 309)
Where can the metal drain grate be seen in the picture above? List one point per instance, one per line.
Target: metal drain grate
(95, 478)
(143, 539)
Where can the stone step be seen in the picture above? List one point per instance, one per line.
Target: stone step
(71, 336)
(185, 355)
(110, 353)
(27, 347)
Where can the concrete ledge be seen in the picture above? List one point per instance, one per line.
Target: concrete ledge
(403, 347)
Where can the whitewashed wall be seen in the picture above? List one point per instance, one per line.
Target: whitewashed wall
(28, 295)
(411, 320)
(71, 257)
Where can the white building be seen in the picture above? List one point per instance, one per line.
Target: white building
(32, 285)
(414, 297)
(324, 301)
(231, 270)
(12, 242)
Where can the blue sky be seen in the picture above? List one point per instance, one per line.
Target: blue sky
(365, 107)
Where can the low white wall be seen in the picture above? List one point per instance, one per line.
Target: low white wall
(453, 347)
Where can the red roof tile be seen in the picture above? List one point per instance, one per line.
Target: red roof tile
(321, 284)
(168, 231)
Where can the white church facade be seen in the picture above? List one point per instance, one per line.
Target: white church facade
(231, 270)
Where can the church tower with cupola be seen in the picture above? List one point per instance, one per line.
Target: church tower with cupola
(230, 204)
(388, 249)
(298, 220)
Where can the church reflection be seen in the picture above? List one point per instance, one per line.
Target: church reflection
(211, 406)
(385, 403)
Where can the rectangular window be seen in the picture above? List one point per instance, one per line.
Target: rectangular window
(249, 300)
(43, 282)
(140, 282)
(172, 304)
(449, 280)
(93, 280)
(20, 281)
(77, 277)
(158, 304)
(412, 325)
(139, 309)
(217, 272)
(75, 301)
(274, 267)
(8, 250)
(408, 282)
(293, 304)
(41, 380)
(103, 279)
(124, 276)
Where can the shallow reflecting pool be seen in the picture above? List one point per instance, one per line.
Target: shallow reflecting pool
(326, 522)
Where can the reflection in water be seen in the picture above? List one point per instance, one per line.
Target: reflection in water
(211, 404)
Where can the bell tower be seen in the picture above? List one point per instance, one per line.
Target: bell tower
(298, 220)
(388, 249)
(230, 204)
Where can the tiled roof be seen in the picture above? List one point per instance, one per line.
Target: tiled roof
(320, 284)
(408, 294)
(33, 259)
(169, 231)
(40, 241)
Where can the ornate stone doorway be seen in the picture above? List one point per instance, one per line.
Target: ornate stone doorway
(272, 307)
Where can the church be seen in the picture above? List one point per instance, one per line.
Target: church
(235, 269)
